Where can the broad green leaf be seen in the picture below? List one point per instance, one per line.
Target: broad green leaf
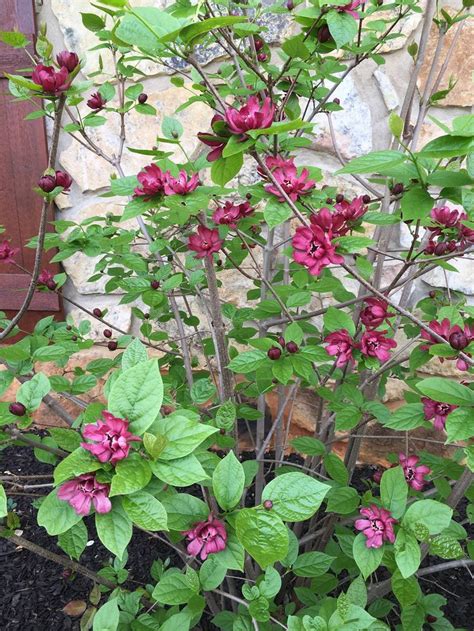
(263, 535)
(406, 590)
(224, 169)
(32, 392)
(181, 472)
(377, 161)
(413, 617)
(394, 491)
(295, 496)
(342, 500)
(137, 395)
(56, 515)
(407, 553)
(367, 559)
(312, 564)
(336, 468)
(416, 204)
(308, 446)
(447, 147)
(74, 540)
(145, 511)
(78, 462)
(247, 361)
(336, 319)
(3, 502)
(135, 353)
(228, 481)
(342, 27)
(131, 475)
(233, 556)
(211, 573)
(184, 511)
(145, 27)
(114, 529)
(446, 391)
(276, 213)
(406, 417)
(107, 618)
(460, 424)
(194, 32)
(173, 588)
(182, 434)
(434, 515)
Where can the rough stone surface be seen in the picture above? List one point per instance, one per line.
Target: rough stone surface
(459, 67)
(456, 281)
(387, 89)
(118, 315)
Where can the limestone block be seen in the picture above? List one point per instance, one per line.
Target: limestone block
(457, 281)
(387, 89)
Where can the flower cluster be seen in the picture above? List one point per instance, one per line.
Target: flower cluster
(154, 181)
(449, 231)
(414, 473)
(458, 338)
(7, 252)
(84, 491)
(350, 8)
(49, 182)
(111, 438)
(437, 411)
(377, 526)
(206, 537)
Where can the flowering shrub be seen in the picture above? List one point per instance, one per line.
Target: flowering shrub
(259, 542)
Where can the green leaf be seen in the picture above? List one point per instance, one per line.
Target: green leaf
(135, 353)
(56, 515)
(137, 395)
(295, 47)
(114, 529)
(228, 481)
(342, 27)
(357, 592)
(92, 22)
(377, 161)
(123, 185)
(49, 353)
(406, 417)
(3, 502)
(446, 391)
(146, 27)
(173, 588)
(413, 617)
(295, 496)
(395, 124)
(407, 553)
(446, 547)
(131, 474)
(224, 169)
(336, 469)
(203, 390)
(276, 213)
(14, 39)
(78, 462)
(211, 573)
(32, 392)
(308, 446)
(447, 147)
(193, 32)
(248, 361)
(335, 319)
(434, 515)
(74, 540)
(226, 415)
(145, 511)
(263, 535)
(406, 590)
(184, 511)
(312, 564)
(182, 434)
(181, 472)
(67, 439)
(107, 618)
(394, 491)
(342, 500)
(171, 128)
(233, 556)
(460, 424)
(367, 559)
(416, 204)
(279, 127)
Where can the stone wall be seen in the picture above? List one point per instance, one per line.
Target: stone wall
(368, 96)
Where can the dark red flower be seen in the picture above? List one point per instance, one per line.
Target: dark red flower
(182, 185)
(218, 139)
(231, 213)
(375, 344)
(313, 248)
(206, 537)
(350, 8)
(351, 211)
(340, 345)
(63, 179)
(96, 102)
(46, 279)
(52, 81)
(151, 180)
(375, 313)
(437, 411)
(47, 183)
(443, 329)
(205, 242)
(7, 252)
(286, 174)
(67, 60)
(253, 115)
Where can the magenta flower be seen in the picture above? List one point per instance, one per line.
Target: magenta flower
(206, 537)
(63, 179)
(96, 102)
(111, 438)
(46, 279)
(414, 473)
(340, 345)
(351, 211)
(52, 81)
(252, 115)
(350, 8)
(443, 217)
(151, 180)
(377, 526)
(230, 213)
(327, 220)
(443, 329)
(67, 60)
(375, 344)
(83, 491)
(205, 243)
(437, 411)
(375, 313)
(218, 139)
(7, 252)
(312, 247)
(286, 174)
(466, 234)
(49, 182)
(180, 185)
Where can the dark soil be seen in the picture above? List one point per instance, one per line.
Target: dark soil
(33, 590)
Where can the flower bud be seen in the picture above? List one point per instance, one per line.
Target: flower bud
(166, 410)
(142, 98)
(268, 504)
(429, 618)
(63, 179)
(18, 409)
(366, 199)
(51, 284)
(96, 102)
(339, 198)
(155, 284)
(262, 56)
(259, 43)
(107, 333)
(112, 346)
(441, 248)
(290, 5)
(432, 294)
(324, 34)
(292, 347)
(398, 188)
(47, 183)
(336, 101)
(67, 60)
(274, 353)
(97, 312)
(458, 340)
